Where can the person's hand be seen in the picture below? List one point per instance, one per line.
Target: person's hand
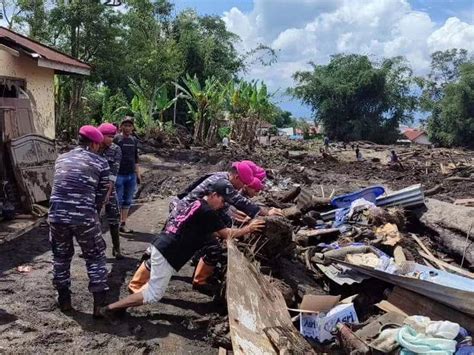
(139, 179)
(256, 225)
(240, 216)
(275, 212)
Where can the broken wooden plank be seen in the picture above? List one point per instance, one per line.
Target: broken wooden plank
(426, 250)
(447, 266)
(255, 305)
(416, 304)
(386, 306)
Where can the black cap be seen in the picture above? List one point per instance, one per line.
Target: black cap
(223, 188)
(127, 119)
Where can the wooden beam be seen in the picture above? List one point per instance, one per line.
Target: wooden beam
(9, 50)
(414, 304)
(45, 63)
(258, 318)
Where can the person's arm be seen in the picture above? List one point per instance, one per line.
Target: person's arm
(115, 166)
(271, 211)
(137, 167)
(103, 185)
(254, 226)
(242, 203)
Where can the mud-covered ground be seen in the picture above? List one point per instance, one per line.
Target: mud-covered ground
(31, 323)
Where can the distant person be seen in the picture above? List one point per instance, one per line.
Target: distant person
(225, 143)
(326, 144)
(359, 156)
(394, 160)
(80, 185)
(129, 172)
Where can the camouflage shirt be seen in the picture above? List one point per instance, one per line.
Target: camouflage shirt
(113, 155)
(237, 200)
(81, 181)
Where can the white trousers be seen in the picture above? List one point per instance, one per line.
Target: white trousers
(160, 276)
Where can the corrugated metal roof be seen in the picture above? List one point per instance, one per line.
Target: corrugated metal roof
(44, 51)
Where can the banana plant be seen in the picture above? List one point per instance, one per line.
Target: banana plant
(147, 101)
(202, 101)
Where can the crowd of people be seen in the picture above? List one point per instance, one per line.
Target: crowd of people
(99, 178)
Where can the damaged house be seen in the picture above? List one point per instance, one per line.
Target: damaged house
(27, 116)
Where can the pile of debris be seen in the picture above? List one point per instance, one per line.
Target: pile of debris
(357, 272)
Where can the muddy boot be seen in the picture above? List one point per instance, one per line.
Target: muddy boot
(64, 299)
(108, 315)
(114, 233)
(202, 275)
(140, 278)
(99, 301)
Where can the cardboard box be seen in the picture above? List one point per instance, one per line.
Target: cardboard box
(320, 314)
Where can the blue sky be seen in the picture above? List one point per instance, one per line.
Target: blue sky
(311, 30)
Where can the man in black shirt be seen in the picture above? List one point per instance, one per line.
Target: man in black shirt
(129, 173)
(172, 249)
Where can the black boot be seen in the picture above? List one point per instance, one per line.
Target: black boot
(99, 301)
(64, 299)
(114, 233)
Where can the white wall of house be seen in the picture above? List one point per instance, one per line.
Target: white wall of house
(39, 87)
(423, 139)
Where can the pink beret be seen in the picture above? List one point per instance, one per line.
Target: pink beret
(256, 184)
(244, 172)
(257, 171)
(92, 133)
(107, 129)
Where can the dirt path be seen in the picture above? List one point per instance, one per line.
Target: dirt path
(31, 323)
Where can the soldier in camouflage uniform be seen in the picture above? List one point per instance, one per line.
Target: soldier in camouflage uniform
(81, 181)
(113, 154)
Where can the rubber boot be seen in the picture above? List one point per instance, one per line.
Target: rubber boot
(64, 299)
(115, 235)
(99, 301)
(202, 274)
(140, 278)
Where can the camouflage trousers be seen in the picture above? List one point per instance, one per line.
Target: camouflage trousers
(112, 210)
(89, 238)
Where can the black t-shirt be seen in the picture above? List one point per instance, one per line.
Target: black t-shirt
(194, 229)
(129, 146)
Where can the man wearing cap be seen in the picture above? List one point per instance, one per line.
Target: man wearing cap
(81, 181)
(129, 173)
(236, 178)
(176, 244)
(113, 154)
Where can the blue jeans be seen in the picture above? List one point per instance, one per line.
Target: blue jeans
(126, 186)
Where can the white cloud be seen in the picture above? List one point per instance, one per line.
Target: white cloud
(312, 30)
(453, 34)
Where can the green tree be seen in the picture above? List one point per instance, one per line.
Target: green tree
(283, 118)
(355, 98)
(453, 124)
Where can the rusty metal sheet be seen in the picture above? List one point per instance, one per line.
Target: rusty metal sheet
(33, 158)
(18, 118)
